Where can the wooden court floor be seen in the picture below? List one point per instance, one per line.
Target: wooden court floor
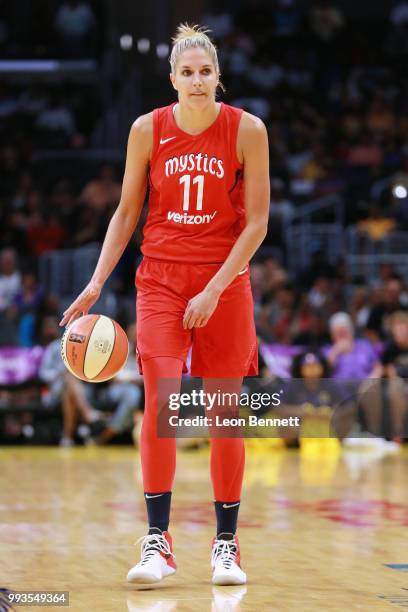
(316, 531)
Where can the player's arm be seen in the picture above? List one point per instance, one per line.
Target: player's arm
(124, 219)
(252, 148)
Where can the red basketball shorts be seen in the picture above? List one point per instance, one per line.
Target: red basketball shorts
(224, 348)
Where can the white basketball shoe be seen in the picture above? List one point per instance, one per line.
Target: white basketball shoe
(225, 560)
(157, 558)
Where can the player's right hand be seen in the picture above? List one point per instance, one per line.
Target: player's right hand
(82, 304)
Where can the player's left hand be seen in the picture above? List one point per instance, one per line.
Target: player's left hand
(199, 309)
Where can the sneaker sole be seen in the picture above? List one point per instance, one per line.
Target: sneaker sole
(147, 578)
(228, 580)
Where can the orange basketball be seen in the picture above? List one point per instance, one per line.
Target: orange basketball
(94, 348)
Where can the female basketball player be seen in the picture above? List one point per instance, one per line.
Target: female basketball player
(206, 164)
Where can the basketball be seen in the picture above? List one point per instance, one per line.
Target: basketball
(94, 348)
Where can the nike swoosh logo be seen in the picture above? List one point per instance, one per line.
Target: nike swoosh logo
(164, 140)
(243, 271)
(230, 505)
(151, 496)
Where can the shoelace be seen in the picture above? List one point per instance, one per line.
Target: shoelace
(151, 544)
(224, 551)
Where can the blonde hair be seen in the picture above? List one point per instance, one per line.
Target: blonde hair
(190, 37)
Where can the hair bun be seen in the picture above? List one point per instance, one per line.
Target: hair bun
(185, 30)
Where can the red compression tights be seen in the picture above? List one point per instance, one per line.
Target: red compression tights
(158, 455)
(227, 454)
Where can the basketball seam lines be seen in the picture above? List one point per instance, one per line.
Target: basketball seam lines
(113, 348)
(87, 344)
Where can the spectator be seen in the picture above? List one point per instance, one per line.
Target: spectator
(45, 234)
(57, 122)
(311, 329)
(310, 391)
(277, 314)
(351, 359)
(10, 278)
(314, 169)
(356, 364)
(274, 276)
(393, 299)
(257, 272)
(395, 361)
(321, 293)
(10, 285)
(33, 209)
(386, 272)
(88, 227)
(121, 396)
(326, 20)
(360, 308)
(282, 208)
(100, 193)
(337, 122)
(319, 268)
(25, 308)
(377, 226)
(12, 232)
(63, 386)
(74, 23)
(24, 188)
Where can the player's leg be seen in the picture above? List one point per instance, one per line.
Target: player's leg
(227, 472)
(158, 457)
(226, 349)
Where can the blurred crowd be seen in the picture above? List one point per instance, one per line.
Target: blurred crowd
(49, 29)
(333, 93)
(357, 333)
(40, 115)
(332, 90)
(68, 215)
(297, 311)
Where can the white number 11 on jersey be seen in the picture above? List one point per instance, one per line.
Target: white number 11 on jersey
(186, 179)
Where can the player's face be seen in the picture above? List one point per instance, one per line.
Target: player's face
(195, 78)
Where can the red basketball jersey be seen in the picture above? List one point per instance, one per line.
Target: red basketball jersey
(196, 204)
